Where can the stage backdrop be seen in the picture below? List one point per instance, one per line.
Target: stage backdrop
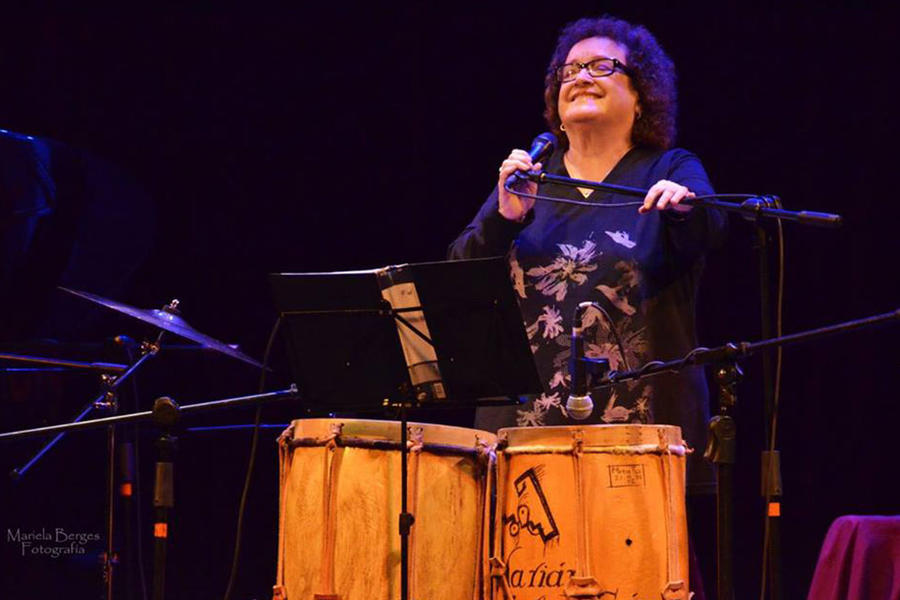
(334, 137)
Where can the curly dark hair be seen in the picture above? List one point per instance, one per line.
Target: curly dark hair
(652, 74)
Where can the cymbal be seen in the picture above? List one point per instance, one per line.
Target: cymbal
(167, 320)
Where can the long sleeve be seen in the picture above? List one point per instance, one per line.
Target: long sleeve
(692, 234)
(489, 233)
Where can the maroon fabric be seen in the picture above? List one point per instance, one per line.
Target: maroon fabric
(860, 560)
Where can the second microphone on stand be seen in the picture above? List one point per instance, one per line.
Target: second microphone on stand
(580, 405)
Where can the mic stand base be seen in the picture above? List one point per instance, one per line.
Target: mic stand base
(165, 415)
(721, 450)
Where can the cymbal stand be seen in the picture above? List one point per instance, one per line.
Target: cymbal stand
(106, 401)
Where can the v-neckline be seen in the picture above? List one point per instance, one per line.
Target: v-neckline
(615, 167)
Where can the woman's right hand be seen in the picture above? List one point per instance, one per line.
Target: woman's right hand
(512, 206)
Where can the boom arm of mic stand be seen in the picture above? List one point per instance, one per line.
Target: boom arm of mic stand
(752, 208)
(290, 393)
(731, 351)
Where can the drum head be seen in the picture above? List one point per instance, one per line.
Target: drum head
(593, 435)
(389, 431)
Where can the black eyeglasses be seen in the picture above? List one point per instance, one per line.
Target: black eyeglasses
(599, 67)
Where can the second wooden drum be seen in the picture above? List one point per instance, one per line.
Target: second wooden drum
(596, 511)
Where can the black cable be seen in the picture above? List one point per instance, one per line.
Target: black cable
(773, 427)
(620, 204)
(615, 332)
(687, 360)
(250, 464)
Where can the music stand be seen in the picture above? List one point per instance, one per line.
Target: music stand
(416, 334)
(436, 333)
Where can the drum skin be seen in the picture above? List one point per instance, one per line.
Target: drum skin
(590, 512)
(340, 503)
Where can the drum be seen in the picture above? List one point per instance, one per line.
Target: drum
(596, 511)
(340, 505)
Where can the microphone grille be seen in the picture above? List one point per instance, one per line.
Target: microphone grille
(580, 407)
(547, 138)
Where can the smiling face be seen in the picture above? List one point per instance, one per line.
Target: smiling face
(605, 101)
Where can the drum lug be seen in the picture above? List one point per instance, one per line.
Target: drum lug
(586, 588)
(498, 574)
(675, 590)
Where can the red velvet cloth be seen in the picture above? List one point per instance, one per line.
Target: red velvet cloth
(860, 560)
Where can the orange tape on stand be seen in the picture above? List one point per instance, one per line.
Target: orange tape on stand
(160, 530)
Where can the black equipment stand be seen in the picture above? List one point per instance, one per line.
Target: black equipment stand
(753, 206)
(166, 320)
(166, 414)
(721, 450)
(723, 432)
(430, 334)
(100, 401)
(106, 401)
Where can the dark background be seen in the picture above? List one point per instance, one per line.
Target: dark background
(332, 138)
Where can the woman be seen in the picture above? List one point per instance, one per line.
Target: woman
(610, 98)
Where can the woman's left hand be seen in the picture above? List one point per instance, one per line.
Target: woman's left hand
(666, 195)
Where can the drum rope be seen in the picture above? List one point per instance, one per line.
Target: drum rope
(581, 540)
(623, 450)
(487, 459)
(285, 456)
(415, 444)
(498, 576)
(667, 491)
(674, 577)
(329, 497)
(375, 444)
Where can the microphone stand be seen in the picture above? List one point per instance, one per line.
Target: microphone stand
(721, 445)
(106, 401)
(166, 414)
(751, 208)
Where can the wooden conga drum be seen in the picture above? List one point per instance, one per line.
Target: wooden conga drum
(340, 503)
(596, 511)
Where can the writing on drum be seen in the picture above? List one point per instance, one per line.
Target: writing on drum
(626, 476)
(534, 517)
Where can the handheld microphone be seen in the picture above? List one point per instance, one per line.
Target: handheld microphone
(541, 147)
(580, 405)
